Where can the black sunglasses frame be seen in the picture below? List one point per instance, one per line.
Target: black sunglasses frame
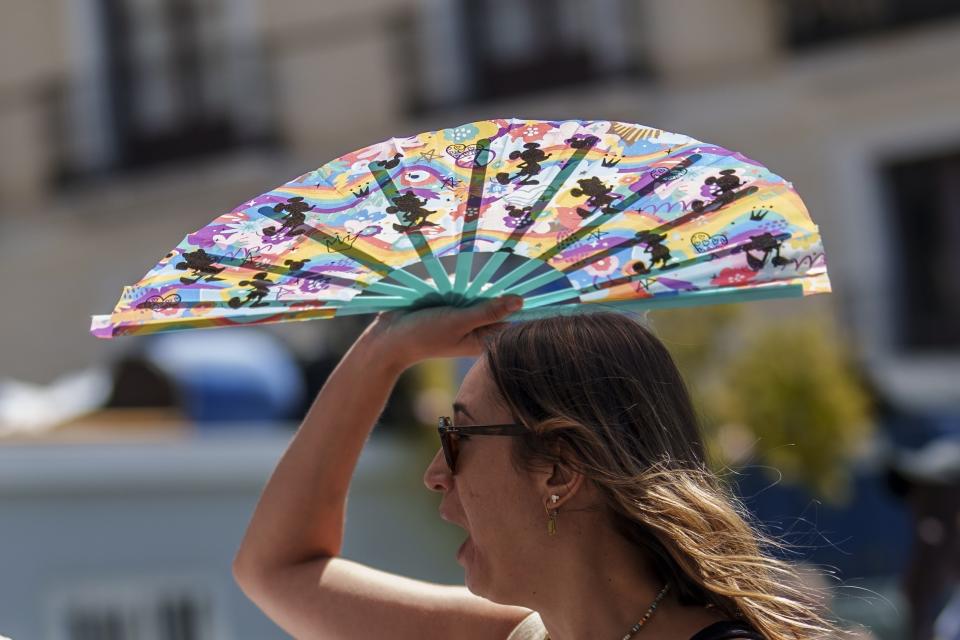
(449, 444)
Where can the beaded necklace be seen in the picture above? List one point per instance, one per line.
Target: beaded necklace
(646, 616)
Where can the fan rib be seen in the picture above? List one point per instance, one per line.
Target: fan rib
(284, 272)
(548, 277)
(336, 245)
(440, 277)
(666, 226)
(726, 295)
(545, 198)
(720, 253)
(600, 255)
(471, 219)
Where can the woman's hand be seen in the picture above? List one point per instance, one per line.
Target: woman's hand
(404, 337)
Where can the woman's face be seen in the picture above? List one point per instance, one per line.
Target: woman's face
(496, 505)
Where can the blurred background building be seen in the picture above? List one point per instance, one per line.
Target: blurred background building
(124, 124)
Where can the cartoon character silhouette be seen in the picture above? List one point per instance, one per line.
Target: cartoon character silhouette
(259, 288)
(723, 188)
(413, 212)
(658, 252)
(532, 156)
(522, 216)
(582, 143)
(296, 210)
(389, 164)
(294, 265)
(599, 196)
(201, 265)
(767, 243)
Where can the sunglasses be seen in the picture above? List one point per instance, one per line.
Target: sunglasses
(450, 436)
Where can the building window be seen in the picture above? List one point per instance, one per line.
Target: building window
(476, 50)
(924, 194)
(810, 23)
(162, 81)
(161, 609)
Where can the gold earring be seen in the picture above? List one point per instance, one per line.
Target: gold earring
(552, 521)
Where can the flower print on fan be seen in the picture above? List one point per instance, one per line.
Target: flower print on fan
(461, 133)
(240, 230)
(733, 277)
(603, 267)
(530, 132)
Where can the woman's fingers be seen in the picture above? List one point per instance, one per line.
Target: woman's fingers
(489, 311)
(441, 331)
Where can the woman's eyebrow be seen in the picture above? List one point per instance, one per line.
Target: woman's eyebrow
(458, 407)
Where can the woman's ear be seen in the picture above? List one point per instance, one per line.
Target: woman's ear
(562, 481)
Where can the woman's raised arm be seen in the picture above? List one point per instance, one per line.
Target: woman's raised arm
(287, 562)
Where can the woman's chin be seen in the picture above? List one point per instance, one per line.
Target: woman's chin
(465, 549)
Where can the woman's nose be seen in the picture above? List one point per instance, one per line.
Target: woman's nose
(437, 477)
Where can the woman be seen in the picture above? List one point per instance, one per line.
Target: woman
(591, 516)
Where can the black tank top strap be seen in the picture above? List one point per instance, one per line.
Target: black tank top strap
(727, 630)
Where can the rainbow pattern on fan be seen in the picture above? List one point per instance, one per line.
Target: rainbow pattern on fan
(563, 213)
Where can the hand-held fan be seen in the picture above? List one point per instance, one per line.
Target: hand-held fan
(566, 214)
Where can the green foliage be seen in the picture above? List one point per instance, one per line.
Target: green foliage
(781, 391)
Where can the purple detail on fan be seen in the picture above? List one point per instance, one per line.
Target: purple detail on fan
(517, 218)
(677, 285)
(669, 174)
(342, 266)
(578, 251)
(467, 155)
(703, 242)
(668, 207)
(272, 200)
(315, 284)
(564, 238)
(158, 303)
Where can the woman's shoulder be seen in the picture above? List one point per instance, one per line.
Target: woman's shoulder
(530, 628)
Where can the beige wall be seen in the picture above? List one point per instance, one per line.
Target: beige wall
(821, 119)
(32, 59)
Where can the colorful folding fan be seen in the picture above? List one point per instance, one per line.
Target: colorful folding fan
(567, 214)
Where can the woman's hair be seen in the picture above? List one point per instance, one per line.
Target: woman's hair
(602, 396)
